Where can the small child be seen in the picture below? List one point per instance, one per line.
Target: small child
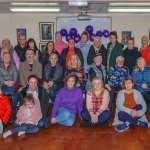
(5, 111)
(28, 116)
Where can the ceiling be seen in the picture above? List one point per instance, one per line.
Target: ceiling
(94, 6)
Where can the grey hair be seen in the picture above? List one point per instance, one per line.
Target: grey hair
(119, 58)
(53, 54)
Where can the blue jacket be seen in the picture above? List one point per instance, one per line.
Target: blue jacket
(141, 77)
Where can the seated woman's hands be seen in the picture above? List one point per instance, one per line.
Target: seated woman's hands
(144, 86)
(53, 120)
(50, 84)
(134, 113)
(94, 118)
(108, 87)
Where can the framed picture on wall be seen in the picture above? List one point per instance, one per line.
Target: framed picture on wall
(125, 36)
(42, 46)
(46, 31)
(20, 32)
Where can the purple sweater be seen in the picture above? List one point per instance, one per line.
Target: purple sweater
(70, 99)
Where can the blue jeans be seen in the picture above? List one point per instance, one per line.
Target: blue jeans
(103, 117)
(8, 89)
(64, 117)
(40, 124)
(123, 116)
(52, 92)
(28, 128)
(15, 101)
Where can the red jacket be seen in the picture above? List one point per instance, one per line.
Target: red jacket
(5, 108)
(146, 54)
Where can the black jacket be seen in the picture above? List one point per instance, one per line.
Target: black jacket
(43, 98)
(130, 57)
(92, 53)
(64, 55)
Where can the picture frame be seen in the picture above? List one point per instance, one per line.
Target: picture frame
(125, 36)
(21, 32)
(46, 30)
(42, 46)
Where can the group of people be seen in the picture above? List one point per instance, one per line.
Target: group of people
(63, 73)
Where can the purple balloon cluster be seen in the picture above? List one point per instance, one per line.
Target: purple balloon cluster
(73, 33)
(100, 33)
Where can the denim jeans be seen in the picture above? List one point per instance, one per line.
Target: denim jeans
(103, 117)
(15, 101)
(8, 90)
(40, 124)
(28, 128)
(123, 116)
(52, 92)
(64, 117)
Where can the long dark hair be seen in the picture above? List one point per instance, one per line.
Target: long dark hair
(35, 46)
(46, 48)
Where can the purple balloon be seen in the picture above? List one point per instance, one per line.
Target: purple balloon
(73, 32)
(63, 32)
(92, 36)
(89, 29)
(106, 33)
(68, 38)
(99, 33)
(77, 38)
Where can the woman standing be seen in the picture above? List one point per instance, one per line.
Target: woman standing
(145, 49)
(84, 45)
(75, 68)
(96, 48)
(97, 101)
(114, 49)
(67, 104)
(37, 54)
(130, 107)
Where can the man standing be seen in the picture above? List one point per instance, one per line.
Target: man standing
(21, 48)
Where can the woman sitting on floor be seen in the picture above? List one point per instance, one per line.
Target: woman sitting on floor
(130, 107)
(28, 116)
(96, 112)
(67, 104)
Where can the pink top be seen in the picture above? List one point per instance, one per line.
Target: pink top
(29, 116)
(104, 102)
(59, 46)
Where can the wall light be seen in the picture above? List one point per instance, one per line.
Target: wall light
(130, 7)
(127, 9)
(34, 7)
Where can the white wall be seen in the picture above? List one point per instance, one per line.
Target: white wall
(9, 23)
(139, 25)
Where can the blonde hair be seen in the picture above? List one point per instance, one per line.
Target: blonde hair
(102, 87)
(145, 37)
(136, 67)
(79, 62)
